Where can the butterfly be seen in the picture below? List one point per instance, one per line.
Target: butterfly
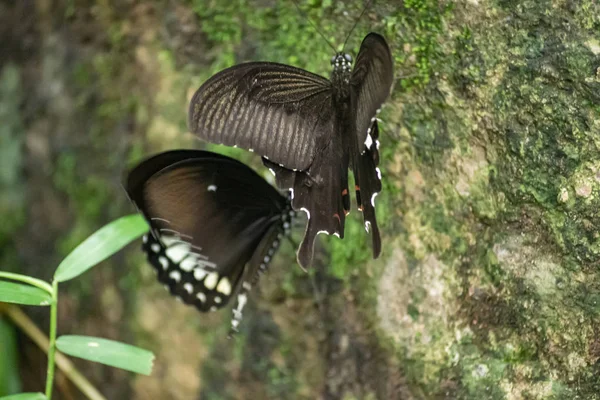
(214, 225)
(309, 130)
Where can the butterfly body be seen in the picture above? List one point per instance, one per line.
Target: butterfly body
(309, 130)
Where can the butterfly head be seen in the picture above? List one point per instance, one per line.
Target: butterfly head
(342, 62)
(342, 71)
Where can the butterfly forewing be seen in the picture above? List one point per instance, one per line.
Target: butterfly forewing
(371, 80)
(209, 216)
(274, 109)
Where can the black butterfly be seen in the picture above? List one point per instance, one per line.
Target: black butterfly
(214, 224)
(308, 129)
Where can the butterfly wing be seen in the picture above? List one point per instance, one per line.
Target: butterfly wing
(319, 192)
(371, 83)
(209, 217)
(367, 177)
(281, 112)
(371, 80)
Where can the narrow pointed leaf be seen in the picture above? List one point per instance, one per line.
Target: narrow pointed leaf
(101, 245)
(18, 293)
(109, 352)
(25, 396)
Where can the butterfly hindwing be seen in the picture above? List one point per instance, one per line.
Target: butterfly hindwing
(209, 217)
(322, 194)
(367, 177)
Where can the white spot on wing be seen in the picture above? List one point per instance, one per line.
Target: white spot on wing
(199, 274)
(306, 211)
(373, 199)
(336, 234)
(188, 287)
(211, 280)
(169, 241)
(164, 262)
(178, 252)
(367, 226)
(201, 296)
(273, 172)
(378, 172)
(188, 264)
(224, 287)
(217, 299)
(369, 141)
(155, 247)
(145, 239)
(325, 232)
(292, 193)
(175, 275)
(212, 188)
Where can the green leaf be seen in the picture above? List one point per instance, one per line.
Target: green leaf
(25, 396)
(109, 352)
(11, 292)
(101, 245)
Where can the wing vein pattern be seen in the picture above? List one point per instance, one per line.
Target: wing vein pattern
(238, 105)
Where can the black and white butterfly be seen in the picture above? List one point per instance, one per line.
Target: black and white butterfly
(214, 225)
(308, 129)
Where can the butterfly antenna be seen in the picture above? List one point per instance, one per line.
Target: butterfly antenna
(313, 25)
(356, 23)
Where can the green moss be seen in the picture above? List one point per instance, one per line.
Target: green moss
(414, 28)
(521, 120)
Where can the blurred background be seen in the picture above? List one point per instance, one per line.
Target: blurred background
(488, 285)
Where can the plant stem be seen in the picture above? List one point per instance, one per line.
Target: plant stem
(52, 344)
(27, 279)
(21, 320)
